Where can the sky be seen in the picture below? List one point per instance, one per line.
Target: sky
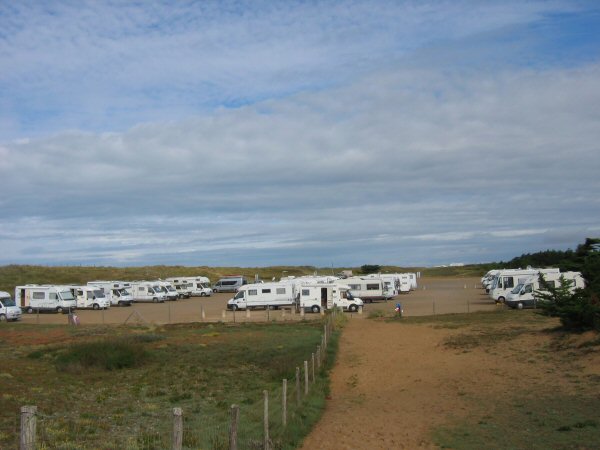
(325, 133)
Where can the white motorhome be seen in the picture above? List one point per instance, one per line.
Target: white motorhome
(391, 283)
(89, 297)
(168, 289)
(506, 280)
(367, 289)
(413, 280)
(488, 278)
(8, 308)
(263, 295)
(317, 297)
(34, 297)
(523, 295)
(145, 291)
(199, 286)
(115, 291)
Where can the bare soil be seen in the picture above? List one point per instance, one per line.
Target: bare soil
(394, 383)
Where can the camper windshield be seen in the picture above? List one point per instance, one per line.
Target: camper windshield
(7, 301)
(170, 288)
(240, 294)
(98, 293)
(124, 291)
(66, 295)
(517, 289)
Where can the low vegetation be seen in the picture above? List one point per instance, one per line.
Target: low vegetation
(545, 382)
(115, 387)
(15, 275)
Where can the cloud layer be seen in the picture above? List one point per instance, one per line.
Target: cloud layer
(303, 135)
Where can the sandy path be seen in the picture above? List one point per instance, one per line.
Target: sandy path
(390, 384)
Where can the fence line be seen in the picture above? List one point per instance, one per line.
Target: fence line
(180, 429)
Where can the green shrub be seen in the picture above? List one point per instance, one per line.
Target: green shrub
(109, 354)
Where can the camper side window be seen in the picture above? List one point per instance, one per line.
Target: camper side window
(372, 287)
(142, 289)
(252, 292)
(509, 282)
(38, 295)
(53, 296)
(281, 290)
(354, 286)
(305, 292)
(266, 291)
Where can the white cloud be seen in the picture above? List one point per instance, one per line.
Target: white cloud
(393, 161)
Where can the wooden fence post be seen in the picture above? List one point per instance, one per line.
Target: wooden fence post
(284, 402)
(305, 377)
(313, 366)
(247, 313)
(177, 428)
(233, 426)
(28, 427)
(202, 313)
(266, 421)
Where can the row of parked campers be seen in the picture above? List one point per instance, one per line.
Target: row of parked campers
(102, 294)
(312, 297)
(321, 293)
(517, 287)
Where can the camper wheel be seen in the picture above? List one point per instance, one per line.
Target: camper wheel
(520, 305)
(202, 294)
(501, 299)
(59, 309)
(96, 306)
(30, 310)
(315, 309)
(2, 318)
(235, 307)
(353, 307)
(155, 300)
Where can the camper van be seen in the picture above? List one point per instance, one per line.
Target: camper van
(523, 295)
(145, 291)
(367, 289)
(192, 286)
(317, 297)
(506, 280)
(33, 297)
(230, 283)
(89, 297)
(116, 292)
(391, 283)
(8, 308)
(168, 289)
(263, 295)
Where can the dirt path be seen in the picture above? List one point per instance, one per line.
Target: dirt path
(390, 385)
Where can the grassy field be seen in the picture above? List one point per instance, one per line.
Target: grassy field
(15, 275)
(115, 387)
(547, 386)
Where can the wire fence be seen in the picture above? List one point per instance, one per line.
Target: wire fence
(274, 422)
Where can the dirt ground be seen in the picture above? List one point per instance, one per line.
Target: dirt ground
(393, 383)
(433, 296)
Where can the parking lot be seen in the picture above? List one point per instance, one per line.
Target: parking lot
(433, 296)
